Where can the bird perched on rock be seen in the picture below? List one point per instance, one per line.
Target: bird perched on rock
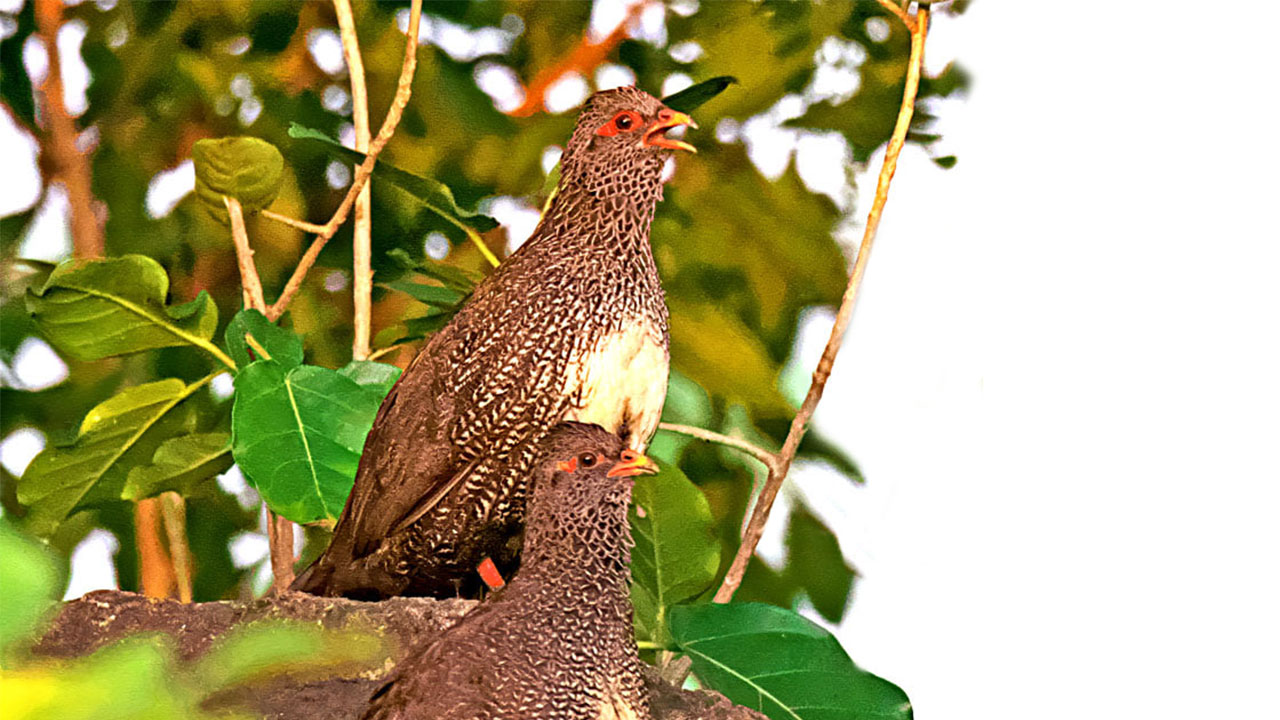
(572, 326)
(557, 642)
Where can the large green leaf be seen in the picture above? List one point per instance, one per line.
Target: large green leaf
(283, 346)
(116, 436)
(248, 169)
(297, 434)
(448, 275)
(676, 554)
(180, 464)
(99, 308)
(435, 195)
(775, 661)
(29, 577)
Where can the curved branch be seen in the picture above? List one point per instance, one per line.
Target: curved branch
(760, 513)
(404, 90)
(769, 459)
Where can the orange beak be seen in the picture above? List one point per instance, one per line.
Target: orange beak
(668, 119)
(632, 464)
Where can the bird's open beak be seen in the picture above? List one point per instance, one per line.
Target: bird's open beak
(632, 464)
(655, 136)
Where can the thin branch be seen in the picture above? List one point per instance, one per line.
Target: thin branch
(769, 459)
(249, 281)
(900, 13)
(69, 164)
(760, 513)
(404, 90)
(362, 264)
(386, 350)
(173, 510)
(302, 225)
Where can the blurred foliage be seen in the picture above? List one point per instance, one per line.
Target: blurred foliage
(742, 255)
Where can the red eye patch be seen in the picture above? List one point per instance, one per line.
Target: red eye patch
(570, 465)
(625, 121)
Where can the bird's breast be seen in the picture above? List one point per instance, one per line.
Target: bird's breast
(620, 380)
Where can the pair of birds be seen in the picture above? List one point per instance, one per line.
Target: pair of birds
(572, 328)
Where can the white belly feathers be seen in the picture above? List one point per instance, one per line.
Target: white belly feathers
(621, 380)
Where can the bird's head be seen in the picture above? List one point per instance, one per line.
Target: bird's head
(585, 470)
(621, 139)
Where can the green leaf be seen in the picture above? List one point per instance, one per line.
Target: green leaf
(775, 661)
(434, 194)
(945, 162)
(815, 562)
(99, 308)
(376, 376)
(428, 294)
(284, 346)
(676, 554)
(695, 96)
(29, 577)
(297, 434)
(245, 168)
(116, 436)
(448, 275)
(180, 464)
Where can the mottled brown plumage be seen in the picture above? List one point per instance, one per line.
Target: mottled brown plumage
(573, 326)
(556, 643)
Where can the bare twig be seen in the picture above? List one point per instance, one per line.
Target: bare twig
(173, 510)
(404, 90)
(760, 513)
(69, 164)
(302, 225)
(386, 350)
(769, 459)
(249, 282)
(899, 13)
(362, 265)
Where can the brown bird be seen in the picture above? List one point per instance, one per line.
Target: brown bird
(572, 326)
(557, 642)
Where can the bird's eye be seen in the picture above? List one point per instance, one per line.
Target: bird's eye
(587, 460)
(625, 121)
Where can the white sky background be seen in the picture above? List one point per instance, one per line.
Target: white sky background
(1063, 377)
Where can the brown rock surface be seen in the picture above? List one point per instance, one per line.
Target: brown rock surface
(103, 617)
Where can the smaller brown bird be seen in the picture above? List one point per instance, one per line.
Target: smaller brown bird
(557, 642)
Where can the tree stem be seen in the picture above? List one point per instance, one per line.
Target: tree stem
(799, 424)
(362, 264)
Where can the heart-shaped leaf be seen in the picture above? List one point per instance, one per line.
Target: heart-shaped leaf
(297, 435)
(695, 96)
(282, 345)
(99, 308)
(245, 168)
(435, 195)
(772, 660)
(181, 464)
(676, 554)
(116, 436)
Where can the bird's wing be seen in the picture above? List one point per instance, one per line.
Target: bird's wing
(484, 385)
